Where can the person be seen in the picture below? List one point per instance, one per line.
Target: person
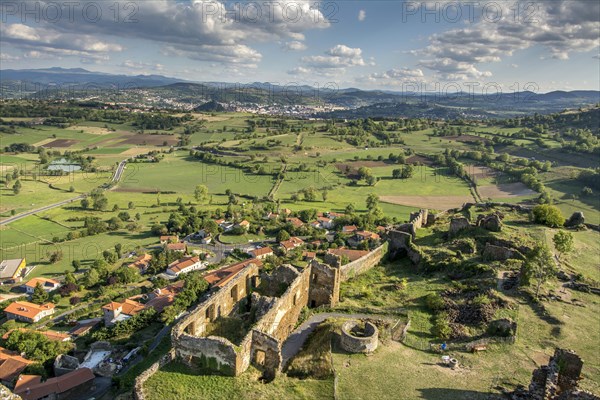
(444, 346)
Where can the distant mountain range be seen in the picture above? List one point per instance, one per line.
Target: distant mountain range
(77, 82)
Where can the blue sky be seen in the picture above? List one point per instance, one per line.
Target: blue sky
(386, 45)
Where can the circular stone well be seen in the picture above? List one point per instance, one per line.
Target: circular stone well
(359, 338)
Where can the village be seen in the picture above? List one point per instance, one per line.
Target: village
(79, 372)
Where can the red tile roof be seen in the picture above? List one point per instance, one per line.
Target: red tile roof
(262, 251)
(220, 277)
(27, 309)
(51, 335)
(176, 246)
(349, 228)
(183, 263)
(297, 222)
(30, 387)
(11, 364)
(42, 281)
(352, 255)
(292, 243)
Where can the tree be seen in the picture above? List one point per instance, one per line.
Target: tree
(539, 267)
(371, 180)
(56, 256)
(76, 265)
(118, 249)
(91, 278)
(85, 204)
(130, 205)
(563, 242)
(548, 215)
(372, 201)
(201, 193)
(39, 296)
(71, 189)
(349, 209)
(282, 236)
(324, 194)
(17, 187)
(100, 203)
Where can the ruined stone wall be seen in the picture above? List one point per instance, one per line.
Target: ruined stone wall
(324, 285)
(212, 353)
(419, 219)
(281, 319)
(138, 392)
(220, 303)
(363, 264)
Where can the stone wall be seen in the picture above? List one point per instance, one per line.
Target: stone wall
(400, 245)
(324, 286)
(212, 353)
(138, 392)
(363, 264)
(220, 303)
(419, 219)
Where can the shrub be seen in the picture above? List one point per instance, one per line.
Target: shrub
(441, 327)
(435, 302)
(548, 215)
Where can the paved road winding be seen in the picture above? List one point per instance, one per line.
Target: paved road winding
(116, 177)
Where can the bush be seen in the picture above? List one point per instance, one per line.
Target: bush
(441, 326)
(435, 302)
(548, 215)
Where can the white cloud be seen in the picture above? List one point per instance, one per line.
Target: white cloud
(561, 27)
(206, 30)
(135, 65)
(8, 57)
(362, 14)
(395, 77)
(293, 46)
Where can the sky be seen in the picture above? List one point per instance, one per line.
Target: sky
(478, 47)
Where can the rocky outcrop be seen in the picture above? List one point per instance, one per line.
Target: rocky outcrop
(576, 219)
(458, 224)
(499, 253)
(492, 222)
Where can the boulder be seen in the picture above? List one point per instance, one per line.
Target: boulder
(576, 219)
(499, 253)
(504, 327)
(490, 222)
(458, 224)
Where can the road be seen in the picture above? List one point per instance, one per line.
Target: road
(116, 177)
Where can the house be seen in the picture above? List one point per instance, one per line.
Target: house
(296, 222)
(50, 335)
(361, 236)
(47, 284)
(115, 311)
(180, 246)
(334, 215)
(271, 216)
(225, 225)
(261, 253)
(161, 298)
(285, 211)
(315, 224)
(84, 327)
(351, 254)
(204, 236)
(11, 365)
(244, 224)
(11, 271)
(291, 244)
(347, 229)
(220, 277)
(169, 239)
(72, 385)
(326, 223)
(28, 312)
(309, 255)
(185, 265)
(141, 263)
